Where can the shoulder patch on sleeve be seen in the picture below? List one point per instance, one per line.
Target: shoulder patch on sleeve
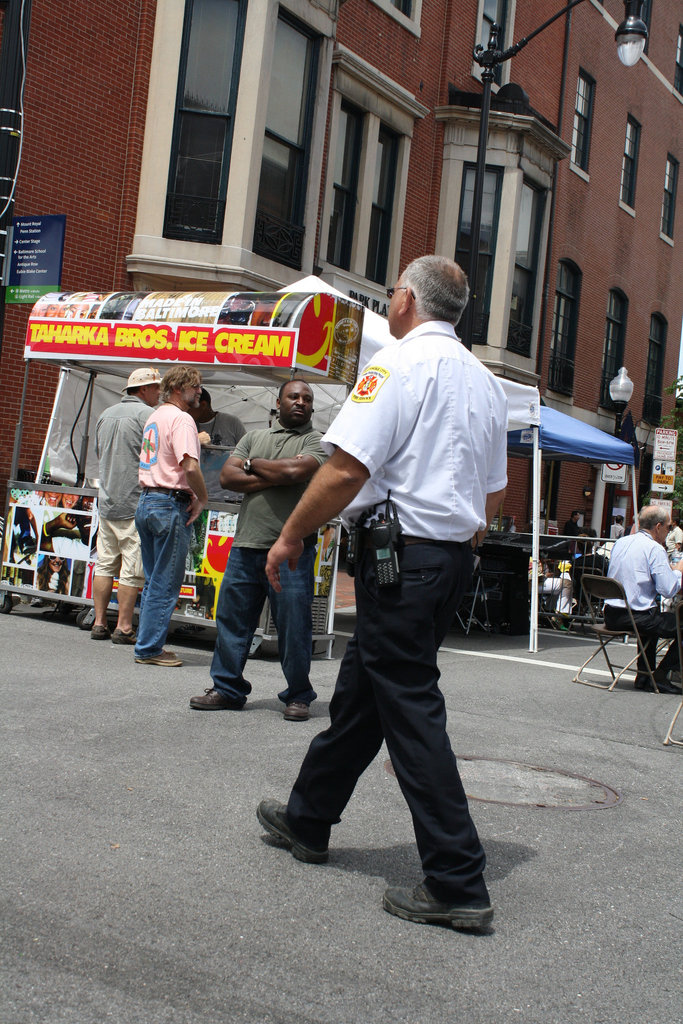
(369, 383)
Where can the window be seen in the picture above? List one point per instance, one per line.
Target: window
(493, 180)
(523, 296)
(629, 164)
(205, 107)
(652, 403)
(669, 200)
(279, 231)
(495, 12)
(613, 351)
(382, 206)
(565, 320)
(678, 75)
(345, 188)
(646, 16)
(583, 117)
(404, 6)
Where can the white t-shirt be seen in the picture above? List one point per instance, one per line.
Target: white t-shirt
(429, 422)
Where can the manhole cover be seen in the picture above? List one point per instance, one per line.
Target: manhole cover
(528, 785)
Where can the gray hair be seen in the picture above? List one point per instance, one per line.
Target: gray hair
(177, 378)
(649, 516)
(440, 288)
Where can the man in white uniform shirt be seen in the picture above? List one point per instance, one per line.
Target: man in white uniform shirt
(639, 562)
(426, 422)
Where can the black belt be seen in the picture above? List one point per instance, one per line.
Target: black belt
(406, 540)
(177, 495)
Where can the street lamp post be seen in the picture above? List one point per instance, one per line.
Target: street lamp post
(631, 37)
(620, 391)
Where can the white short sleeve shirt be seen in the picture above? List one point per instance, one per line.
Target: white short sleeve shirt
(429, 422)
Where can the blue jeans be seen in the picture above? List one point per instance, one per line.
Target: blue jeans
(242, 595)
(161, 521)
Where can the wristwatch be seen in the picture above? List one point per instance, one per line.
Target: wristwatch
(246, 466)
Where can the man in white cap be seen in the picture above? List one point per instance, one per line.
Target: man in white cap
(118, 440)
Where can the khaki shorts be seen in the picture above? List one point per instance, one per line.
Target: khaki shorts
(118, 552)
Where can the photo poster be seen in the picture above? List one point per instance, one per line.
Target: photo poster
(328, 538)
(212, 535)
(50, 541)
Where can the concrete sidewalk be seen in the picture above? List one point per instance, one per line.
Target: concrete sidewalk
(139, 888)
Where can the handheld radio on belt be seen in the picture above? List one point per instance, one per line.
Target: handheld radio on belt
(382, 537)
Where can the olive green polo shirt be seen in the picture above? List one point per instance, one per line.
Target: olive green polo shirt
(263, 513)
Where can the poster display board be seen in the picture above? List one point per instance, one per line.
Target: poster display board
(50, 551)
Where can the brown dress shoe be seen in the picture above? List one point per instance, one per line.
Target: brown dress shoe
(296, 711)
(214, 700)
(167, 659)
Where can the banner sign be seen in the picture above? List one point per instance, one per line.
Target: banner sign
(318, 332)
(35, 257)
(187, 343)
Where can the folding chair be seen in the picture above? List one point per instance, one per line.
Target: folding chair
(466, 613)
(597, 590)
(679, 640)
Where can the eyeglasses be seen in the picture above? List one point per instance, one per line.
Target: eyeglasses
(398, 288)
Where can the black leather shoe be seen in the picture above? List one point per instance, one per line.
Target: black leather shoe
(273, 817)
(664, 686)
(421, 907)
(214, 700)
(644, 683)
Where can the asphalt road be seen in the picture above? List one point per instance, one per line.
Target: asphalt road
(138, 886)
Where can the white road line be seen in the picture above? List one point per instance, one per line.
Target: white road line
(510, 657)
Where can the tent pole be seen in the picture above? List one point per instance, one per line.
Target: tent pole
(535, 544)
(635, 494)
(19, 429)
(63, 374)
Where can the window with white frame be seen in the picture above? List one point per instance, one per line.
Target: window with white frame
(613, 348)
(678, 73)
(202, 135)
(279, 230)
(345, 186)
(629, 165)
(583, 120)
(382, 206)
(564, 331)
(405, 12)
(520, 327)
(493, 181)
(652, 400)
(371, 127)
(669, 198)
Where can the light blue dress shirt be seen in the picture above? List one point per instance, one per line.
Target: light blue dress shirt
(641, 565)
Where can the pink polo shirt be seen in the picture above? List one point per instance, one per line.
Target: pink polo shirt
(170, 435)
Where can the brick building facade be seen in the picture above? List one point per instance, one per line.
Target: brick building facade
(241, 143)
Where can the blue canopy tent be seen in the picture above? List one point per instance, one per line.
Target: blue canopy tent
(570, 440)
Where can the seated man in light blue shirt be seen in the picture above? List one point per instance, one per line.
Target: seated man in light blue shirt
(639, 562)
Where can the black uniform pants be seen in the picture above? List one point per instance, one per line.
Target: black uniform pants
(651, 625)
(388, 689)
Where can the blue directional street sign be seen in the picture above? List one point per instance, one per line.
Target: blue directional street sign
(36, 251)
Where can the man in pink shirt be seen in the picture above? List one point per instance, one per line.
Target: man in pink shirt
(173, 495)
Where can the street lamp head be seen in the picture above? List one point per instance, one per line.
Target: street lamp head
(621, 389)
(631, 35)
